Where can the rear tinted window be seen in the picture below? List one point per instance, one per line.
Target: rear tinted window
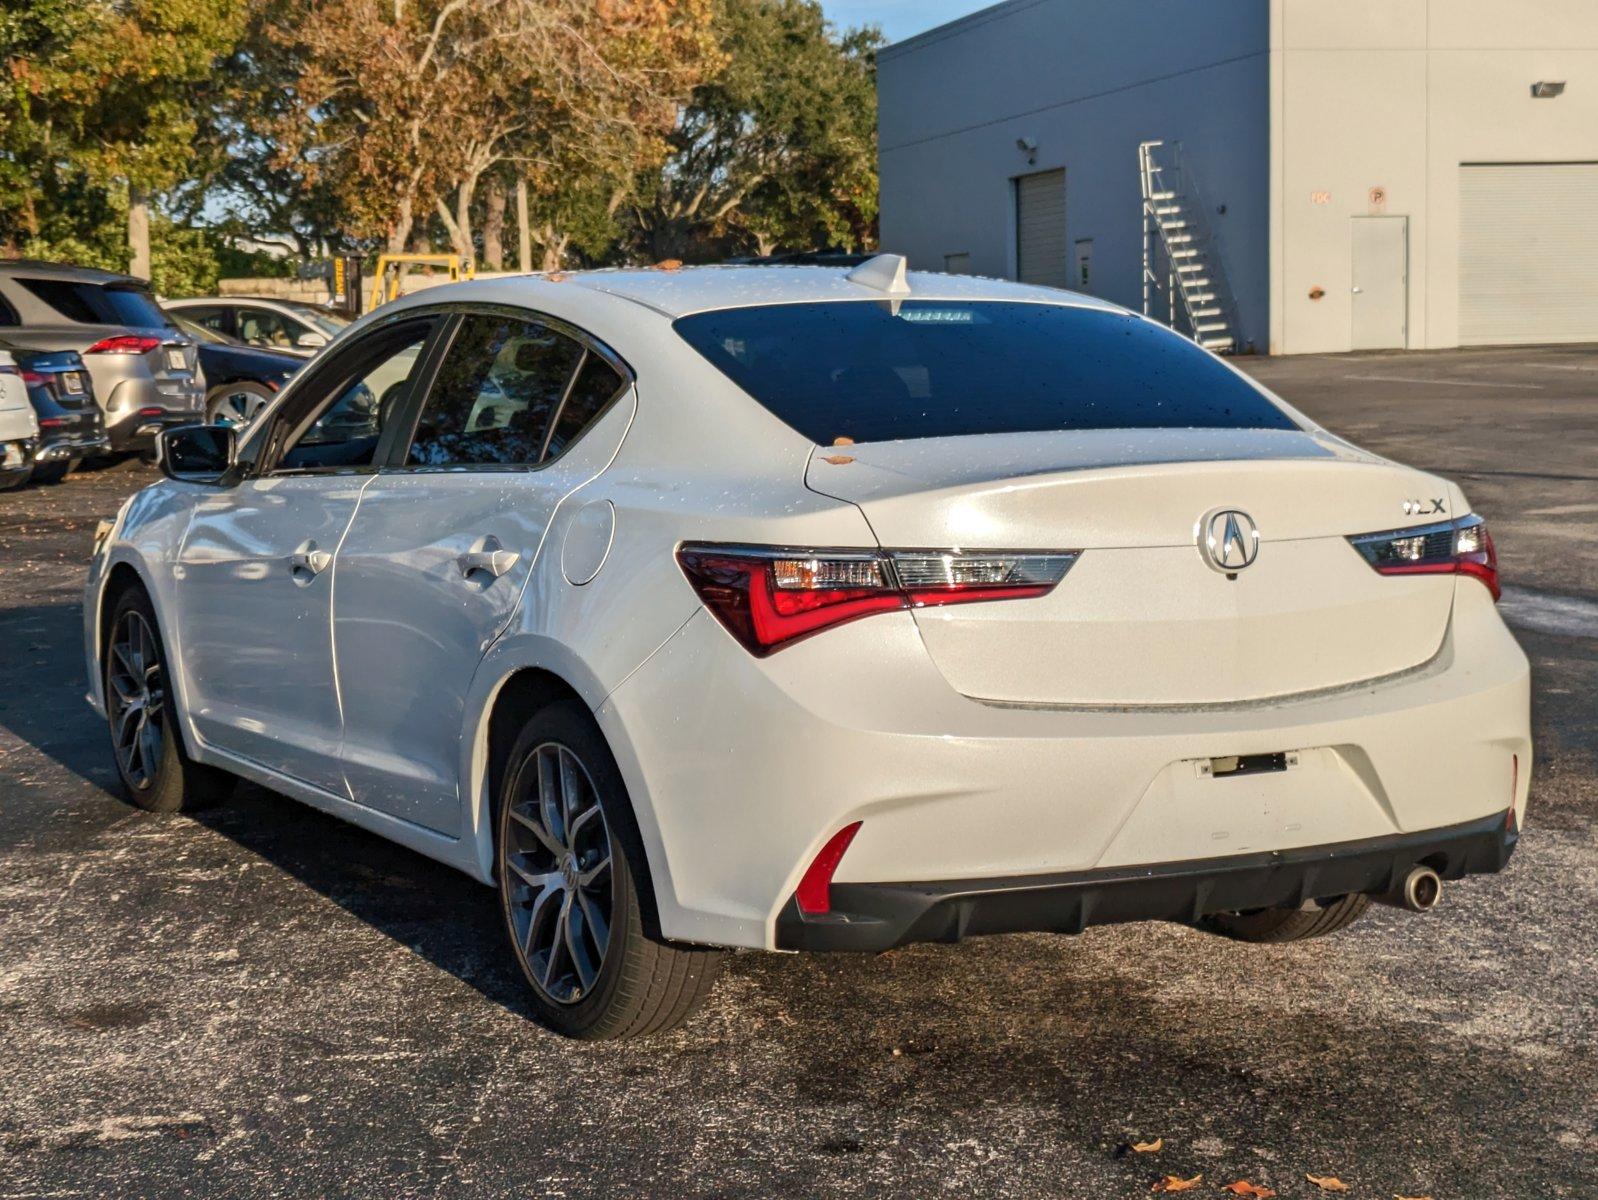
(860, 370)
(99, 304)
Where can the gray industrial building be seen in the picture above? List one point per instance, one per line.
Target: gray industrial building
(1286, 175)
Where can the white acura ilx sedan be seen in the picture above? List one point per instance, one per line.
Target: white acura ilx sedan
(797, 608)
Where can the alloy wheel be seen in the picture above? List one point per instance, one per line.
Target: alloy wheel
(558, 863)
(237, 407)
(137, 700)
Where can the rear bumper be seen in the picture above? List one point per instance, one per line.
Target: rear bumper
(131, 431)
(879, 916)
(62, 447)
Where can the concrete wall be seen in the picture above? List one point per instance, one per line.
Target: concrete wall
(1087, 80)
(1396, 94)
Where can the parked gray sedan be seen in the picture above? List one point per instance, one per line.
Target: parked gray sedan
(146, 371)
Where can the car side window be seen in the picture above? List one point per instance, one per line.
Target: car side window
(596, 386)
(499, 384)
(360, 403)
(214, 319)
(263, 327)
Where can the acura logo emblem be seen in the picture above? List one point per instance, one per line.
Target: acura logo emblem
(1228, 539)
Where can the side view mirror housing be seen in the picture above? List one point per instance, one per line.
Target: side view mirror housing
(197, 453)
(310, 341)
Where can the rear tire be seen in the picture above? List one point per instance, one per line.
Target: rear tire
(51, 472)
(157, 773)
(1316, 918)
(572, 884)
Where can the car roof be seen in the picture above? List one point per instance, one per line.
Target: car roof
(679, 291)
(56, 270)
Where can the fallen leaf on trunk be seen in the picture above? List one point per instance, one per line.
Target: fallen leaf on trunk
(1242, 1187)
(1172, 1183)
(1327, 1183)
(1148, 1147)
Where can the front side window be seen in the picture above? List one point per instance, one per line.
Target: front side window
(876, 371)
(362, 401)
(267, 329)
(497, 389)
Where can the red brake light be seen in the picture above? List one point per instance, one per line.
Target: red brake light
(1462, 547)
(814, 893)
(125, 343)
(768, 597)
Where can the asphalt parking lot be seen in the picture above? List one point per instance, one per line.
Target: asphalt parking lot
(265, 1002)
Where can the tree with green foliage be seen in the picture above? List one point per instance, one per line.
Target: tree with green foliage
(779, 149)
(109, 96)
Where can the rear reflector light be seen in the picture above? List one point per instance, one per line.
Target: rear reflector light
(815, 889)
(768, 597)
(51, 422)
(1462, 547)
(125, 343)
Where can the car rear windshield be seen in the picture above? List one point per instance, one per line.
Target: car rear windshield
(875, 371)
(100, 303)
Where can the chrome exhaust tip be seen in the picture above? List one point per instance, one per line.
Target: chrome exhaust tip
(1420, 892)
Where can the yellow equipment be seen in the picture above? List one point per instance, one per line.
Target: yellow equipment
(391, 270)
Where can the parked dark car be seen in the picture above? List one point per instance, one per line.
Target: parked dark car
(145, 370)
(241, 379)
(71, 427)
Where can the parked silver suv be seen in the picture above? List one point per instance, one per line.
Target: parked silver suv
(146, 371)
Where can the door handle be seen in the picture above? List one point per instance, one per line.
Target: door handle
(489, 556)
(306, 563)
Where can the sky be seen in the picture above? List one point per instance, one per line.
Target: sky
(899, 19)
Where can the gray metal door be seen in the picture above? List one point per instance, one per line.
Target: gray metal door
(1381, 283)
(1040, 250)
(1528, 253)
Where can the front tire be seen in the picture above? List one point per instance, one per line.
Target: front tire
(157, 773)
(1316, 918)
(571, 873)
(236, 403)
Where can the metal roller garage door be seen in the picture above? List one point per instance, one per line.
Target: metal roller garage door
(1040, 255)
(1528, 253)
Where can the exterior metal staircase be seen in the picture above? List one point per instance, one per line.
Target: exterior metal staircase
(1183, 281)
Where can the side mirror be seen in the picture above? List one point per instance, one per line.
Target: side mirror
(197, 453)
(311, 340)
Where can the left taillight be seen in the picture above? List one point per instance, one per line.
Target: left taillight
(124, 343)
(1462, 547)
(769, 597)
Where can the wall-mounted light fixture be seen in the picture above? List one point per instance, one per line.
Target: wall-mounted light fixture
(1029, 147)
(1547, 89)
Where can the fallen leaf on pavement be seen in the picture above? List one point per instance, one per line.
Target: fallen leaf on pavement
(1243, 1187)
(1412, 1197)
(1148, 1147)
(1327, 1183)
(1172, 1183)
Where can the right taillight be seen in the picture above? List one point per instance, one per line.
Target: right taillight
(124, 343)
(769, 597)
(1462, 547)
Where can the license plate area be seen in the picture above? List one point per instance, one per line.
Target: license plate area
(72, 382)
(1235, 766)
(175, 360)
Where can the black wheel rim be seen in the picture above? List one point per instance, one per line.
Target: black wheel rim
(136, 699)
(557, 870)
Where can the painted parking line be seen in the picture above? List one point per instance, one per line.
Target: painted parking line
(1519, 387)
(1545, 612)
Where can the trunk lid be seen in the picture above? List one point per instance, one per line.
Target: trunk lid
(1142, 618)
